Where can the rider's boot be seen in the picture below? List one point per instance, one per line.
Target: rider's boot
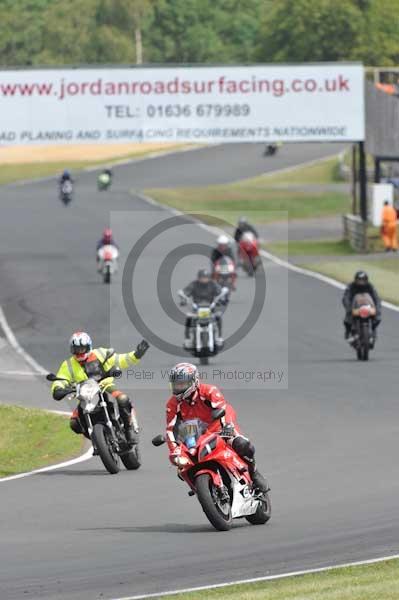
(259, 482)
(188, 342)
(219, 340)
(132, 429)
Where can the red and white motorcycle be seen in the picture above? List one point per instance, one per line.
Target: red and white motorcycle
(107, 261)
(224, 273)
(248, 252)
(218, 476)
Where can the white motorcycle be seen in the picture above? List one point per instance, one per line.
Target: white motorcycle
(66, 191)
(103, 423)
(107, 261)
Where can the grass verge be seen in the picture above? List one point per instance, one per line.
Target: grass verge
(265, 198)
(261, 203)
(311, 248)
(369, 582)
(326, 171)
(31, 439)
(383, 273)
(16, 172)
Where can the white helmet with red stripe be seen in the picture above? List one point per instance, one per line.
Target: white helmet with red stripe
(184, 381)
(80, 345)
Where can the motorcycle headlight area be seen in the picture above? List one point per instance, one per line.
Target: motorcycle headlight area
(88, 392)
(204, 313)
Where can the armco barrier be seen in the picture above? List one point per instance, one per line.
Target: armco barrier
(355, 232)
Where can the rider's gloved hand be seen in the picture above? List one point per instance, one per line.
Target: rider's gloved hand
(60, 393)
(141, 349)
(174, 454)
(228, 430)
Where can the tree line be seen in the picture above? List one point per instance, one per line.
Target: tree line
(70, 32)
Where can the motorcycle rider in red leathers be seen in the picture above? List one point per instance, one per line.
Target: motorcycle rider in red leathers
(194, 400)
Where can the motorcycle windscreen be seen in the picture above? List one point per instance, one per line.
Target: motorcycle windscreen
(362, 300)
(190, 431)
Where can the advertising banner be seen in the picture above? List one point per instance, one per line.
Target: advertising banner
(262, 103)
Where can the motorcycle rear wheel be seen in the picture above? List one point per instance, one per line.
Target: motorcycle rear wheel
(207, 496)
(109, 459)
(132, 459)
(263, 512)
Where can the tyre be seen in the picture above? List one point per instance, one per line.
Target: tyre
(263, 512)
(218, 514)
(132, 459)
(107, 275)
(204, 360)
(109, 459)
(364, 340)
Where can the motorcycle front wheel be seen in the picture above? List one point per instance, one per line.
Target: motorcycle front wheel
(107, 274)
(364, 342)
(218, 513)
(109, 458)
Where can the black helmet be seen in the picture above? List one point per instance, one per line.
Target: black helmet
(361, 277)
(203, 274)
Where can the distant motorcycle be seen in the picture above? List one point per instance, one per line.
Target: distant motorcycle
(271, 149)
(66, 191)
(218, 476)
(104, 181)
(107, 261)
(224, 272)
(363, 313)
(248, 252)
(103, 423)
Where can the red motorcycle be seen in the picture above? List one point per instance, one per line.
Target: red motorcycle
(218, 476)
(248, 252)
(224, 272)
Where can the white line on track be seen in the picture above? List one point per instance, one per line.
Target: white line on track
(12, 340)
(74, 461)
(260, 579)
(36, 370)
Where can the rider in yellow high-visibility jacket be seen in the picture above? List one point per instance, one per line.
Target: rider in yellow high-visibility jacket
(86, 362)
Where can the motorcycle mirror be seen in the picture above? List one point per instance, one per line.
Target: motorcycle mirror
(158, 440)
(51, 377)
(218, 413)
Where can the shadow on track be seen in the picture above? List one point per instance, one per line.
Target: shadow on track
(74, 473)
(165, 528)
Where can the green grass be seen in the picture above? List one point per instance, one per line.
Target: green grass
(252, 198)
(261, 198)
(372, 582)
(17, 172)
(383, 273)
(311, 248)
(326, 171)
(10, 173)
(31, 439)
